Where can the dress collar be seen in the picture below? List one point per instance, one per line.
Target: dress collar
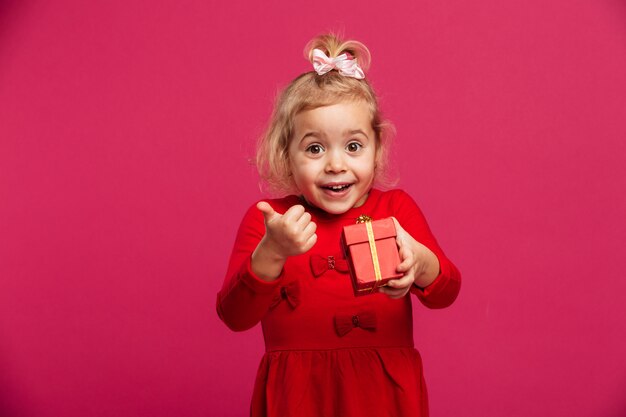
(367, 208)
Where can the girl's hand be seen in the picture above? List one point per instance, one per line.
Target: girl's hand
(418, 263)
(289, 234)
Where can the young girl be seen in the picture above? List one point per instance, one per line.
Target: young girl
(329, 353)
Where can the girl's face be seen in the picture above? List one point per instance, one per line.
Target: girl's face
(333, 155)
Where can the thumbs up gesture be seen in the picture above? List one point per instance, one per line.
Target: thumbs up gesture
(288, 234)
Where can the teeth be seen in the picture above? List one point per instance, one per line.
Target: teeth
(338, 187)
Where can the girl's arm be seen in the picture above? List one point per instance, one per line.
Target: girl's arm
(264, 242)
(245, 297)
(436, 280)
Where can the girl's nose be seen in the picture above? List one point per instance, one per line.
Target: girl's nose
(335, 162)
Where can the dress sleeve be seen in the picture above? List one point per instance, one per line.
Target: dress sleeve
(245, 298)
(444, 289)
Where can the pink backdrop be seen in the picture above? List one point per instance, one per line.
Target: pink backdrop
(125, 133)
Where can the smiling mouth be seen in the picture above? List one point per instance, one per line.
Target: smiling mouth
(337, 188)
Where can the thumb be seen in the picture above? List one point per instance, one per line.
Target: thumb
(267, 210)
(399, 229)
(406, 260)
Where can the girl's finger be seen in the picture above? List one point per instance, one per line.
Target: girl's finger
(310, 229)
(304, 219)
(396, 223)
(310, 242)
(405, 252)
(400, 232)
(403, 282)
(268, 212)
(294, 213)
(407, 261)
(393, 292)
(404, 265)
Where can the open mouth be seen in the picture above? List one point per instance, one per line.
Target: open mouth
(337, 188)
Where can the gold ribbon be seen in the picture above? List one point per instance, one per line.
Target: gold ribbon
(372, 242)
(370, 237)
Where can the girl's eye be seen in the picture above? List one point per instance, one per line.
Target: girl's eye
(315, 149)
(353, 146)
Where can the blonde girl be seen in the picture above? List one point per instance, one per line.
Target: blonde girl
(329, 353)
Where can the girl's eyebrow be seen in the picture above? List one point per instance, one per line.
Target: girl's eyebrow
(312, 134)
(318, 135)
(354, 132)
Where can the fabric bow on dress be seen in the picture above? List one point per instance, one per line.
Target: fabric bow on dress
(290, 293)
(344, 323)
(321, 264)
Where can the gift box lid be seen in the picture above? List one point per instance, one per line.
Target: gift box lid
(357, 233)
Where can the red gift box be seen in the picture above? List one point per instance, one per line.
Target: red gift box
(372, 253)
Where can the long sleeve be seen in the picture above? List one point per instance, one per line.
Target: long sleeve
(245, 298)
(445, 288)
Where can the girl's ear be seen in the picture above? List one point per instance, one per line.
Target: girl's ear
(379, 160)
(379, 153)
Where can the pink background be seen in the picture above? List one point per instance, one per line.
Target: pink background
(125, 133)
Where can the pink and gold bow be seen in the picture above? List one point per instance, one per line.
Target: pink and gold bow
(343, 63)
(321, 264)
(344, 323)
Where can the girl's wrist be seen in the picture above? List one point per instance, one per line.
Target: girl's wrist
(270, 250)
(266, 263)
(429, 273)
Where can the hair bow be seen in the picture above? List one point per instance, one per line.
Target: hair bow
(344, 323)
(345, 65)
(321, 264)
(289, 293)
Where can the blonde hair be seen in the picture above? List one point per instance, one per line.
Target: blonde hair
(310, 91)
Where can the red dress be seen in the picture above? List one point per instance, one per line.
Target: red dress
(329, 353)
